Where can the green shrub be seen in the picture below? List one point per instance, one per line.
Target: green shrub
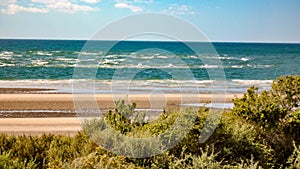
(260, 108)
(269, 109)
(120, 118)
(205, 160)
(292, 126)
(294, 159)
(273, 116)
(95, 160)
(9, 162)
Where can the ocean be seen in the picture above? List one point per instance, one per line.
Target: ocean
(143, 66)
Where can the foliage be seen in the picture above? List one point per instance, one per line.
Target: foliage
(120, 118)
(44, 151)
(269, 109)
(272, 114)
(9, 162)
(294, 159)
(292, 126)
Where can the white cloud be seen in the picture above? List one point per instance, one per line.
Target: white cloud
(68, 7)
(7, 2)
(176, 9)
(13, 9)
(44, 6)
(144, 1)
(90, 1)
(128, 6)
(135, 1)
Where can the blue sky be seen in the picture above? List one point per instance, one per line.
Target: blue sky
(219, 20)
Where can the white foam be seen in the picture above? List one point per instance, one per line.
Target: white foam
(147, 57)
(227, 58)
(138, 86)
(239, 81)
(43, 53)
(6, 53)
(193, 57)
(170, 65)
(236, 66)
(39, 62)
(264, 66)
(110, 62)
(211, 105)
(245, 59)
(86, 60)
(162, 57)
(91, 53)
(110, 56)
(7, 65)
(66, 59)
(210, 66)
(52, 84)
(222, 57)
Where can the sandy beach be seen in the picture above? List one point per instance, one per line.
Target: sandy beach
(38, 126)
(30, 111)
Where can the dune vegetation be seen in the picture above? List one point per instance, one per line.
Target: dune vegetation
(261, 131)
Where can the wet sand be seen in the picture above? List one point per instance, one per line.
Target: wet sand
(31, 111)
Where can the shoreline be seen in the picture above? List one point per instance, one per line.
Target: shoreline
(36, 113)
(35, 103)
(105, 101)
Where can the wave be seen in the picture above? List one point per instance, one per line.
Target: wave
(118, 64)
(68, 81)
(138, 86)
(245, 59)
(210, 66)
(6, 53)
(91, 53)
(222, 58)
(39, 62)
(43, 53)
(162, 57)
(239, 81)
(6, 64)
(66, 59)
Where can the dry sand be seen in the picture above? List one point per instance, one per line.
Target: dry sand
(64, 121)
(38, 126)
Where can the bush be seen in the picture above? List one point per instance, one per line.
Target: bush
(294, 159)
(269, 109)
(292, 126)
(9, 162)
(273, 115)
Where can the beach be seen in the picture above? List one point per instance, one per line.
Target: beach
(38, 78)
(32, 111)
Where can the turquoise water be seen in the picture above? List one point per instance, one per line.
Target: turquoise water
(55, 60)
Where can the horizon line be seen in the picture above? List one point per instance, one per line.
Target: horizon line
(151, 40)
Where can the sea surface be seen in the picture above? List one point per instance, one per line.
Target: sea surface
(144, 66)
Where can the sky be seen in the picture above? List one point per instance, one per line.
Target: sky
(219, 20)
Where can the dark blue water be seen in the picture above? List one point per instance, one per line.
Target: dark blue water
(56, 60)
